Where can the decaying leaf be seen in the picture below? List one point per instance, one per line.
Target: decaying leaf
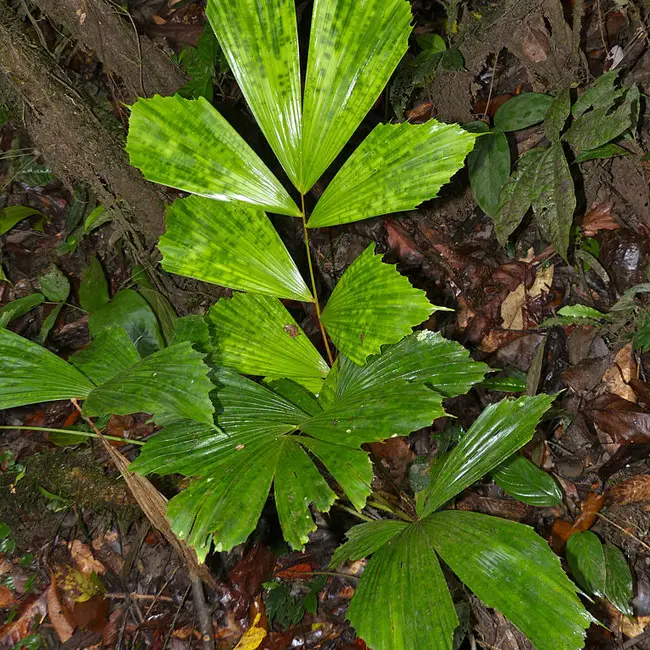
(616, 379)
(62, 626)
(623, 421)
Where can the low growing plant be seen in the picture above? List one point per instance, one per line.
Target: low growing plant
(241, 437)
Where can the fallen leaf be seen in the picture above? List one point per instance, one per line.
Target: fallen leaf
(616, 378)
(512, 307)
(33, 608)
(400, 242)
(419, 112)
(535, 45)
(590, 508)
(7, 598)
(599, 218)
(62, 626)
(84, 560)
(623, 421)
(296, 571)
(395, 456)
(253, 637)
(633, 490)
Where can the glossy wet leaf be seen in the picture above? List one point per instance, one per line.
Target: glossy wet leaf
(20, 306)
(619, 588)
(353, 50)
(361, 313)
(489, 168)
(586, 559)
(526, 482)
(522, 111)
(256, 335)
(30, 374)
(397, 167)
(128, 309)
(110, 353)
(171, 382)
(509, 567)
(365, 539)
(231, 244)
(402, 601)
(499, 431)
(260, 42)
(54, 284)
(93, 290)
(188, 145)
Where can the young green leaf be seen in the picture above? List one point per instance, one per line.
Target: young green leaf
(526, 482)
(402, 601)
(489, 168)
(586, 559)
(522, 111)
(509, 567)
(172, 381)
(20, 306)
(365, 539)
(360, 315)
(231, 244)
(397, 167)
(260, 42)
(257, 336)
(186, 144)
(54, 285)
(345, 74)
(498, 432)
(580, 311)
(30, 374)
(93, 290)
(619, 588)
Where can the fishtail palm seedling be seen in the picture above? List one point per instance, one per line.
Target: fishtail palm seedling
(246, 402)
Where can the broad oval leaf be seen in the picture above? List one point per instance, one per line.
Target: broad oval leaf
(231, 244)
(172, 381)
(586, 559)
(619, 588)
(498, 432)
(257, 336)
(397, 167)
(402, 601)
(186, 144)
(361, 314)
(526, 482)
(260, 41)
(509, 567)
(489, 168)
(355, 45)
(30, 374)
(522, 111)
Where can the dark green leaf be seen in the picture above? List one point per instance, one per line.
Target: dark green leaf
(48, 323)
(13, 214)
(489, 169)
(498, 432)
(606, 151)
(509, 567)
(194, 329)
(54, 285)
(586, 559)
(296, 394)
(453, 60)
(199, 62)
(282, 608)
(600, 94)
(522, 111)
(365, 539)
(557, 115)
(20, 306)
(30, 374)
(129, 310)
(526, 482)
(619, 588)
(506, 383)
(431, 42)
(93, 290)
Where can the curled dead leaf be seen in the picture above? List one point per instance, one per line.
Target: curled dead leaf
(84, 560)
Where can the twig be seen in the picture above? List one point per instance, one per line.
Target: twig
(123, 596)
(626, 532)
(203, 614)
(630, 643)
(176, 615)
(494, 74)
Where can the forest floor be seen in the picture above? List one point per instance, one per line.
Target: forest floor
(68, 71)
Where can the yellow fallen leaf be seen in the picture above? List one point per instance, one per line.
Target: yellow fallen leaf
(253, 637)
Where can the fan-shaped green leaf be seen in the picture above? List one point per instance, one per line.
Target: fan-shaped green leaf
(619, 588)
(107, 355)
(296, 394)
(30, 374)
(362, 313)
(355, 45)
(586, 559)
(526, 482)
(509, 567)
(260, 41)
(230, 244)
(397, 167)
(172, 381)
(186, 144)
(257, 336)
(402, 601)
(365, 539)
(498, 432)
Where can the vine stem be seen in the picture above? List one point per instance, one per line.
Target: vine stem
(313, 279)
(83, 434)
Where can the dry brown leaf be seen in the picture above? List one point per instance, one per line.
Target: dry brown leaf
(159, 20)
(7, 598)
(512, 309)
(84, 560)
(589, 510)
(599, 218)
(33, 609)
(60, 622)
(616, 379)
(634, 490)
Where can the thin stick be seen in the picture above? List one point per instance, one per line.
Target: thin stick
(124, 596)
(203, 613)
(626, 532)
(313, 279)
(83, 434)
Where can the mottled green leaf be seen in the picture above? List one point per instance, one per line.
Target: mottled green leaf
(489, 168)
(260, 42)
(129, 310)
(172, 381)
(526, 482)
(20, 306)
(186, 144)
(509, 567)
(619, 588)
(230, 244)
(402, 601)
(609, 150)
(107, 355)
(397, 167)
(54, 285)
(93, 290)
(557, 115)
(522, 111)
(361, 313)
(13, 214)
(257, 336)
(365, 539)
(499, 431)
(354, 48)
(601, 93)
(586, 559)
(30, 374)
